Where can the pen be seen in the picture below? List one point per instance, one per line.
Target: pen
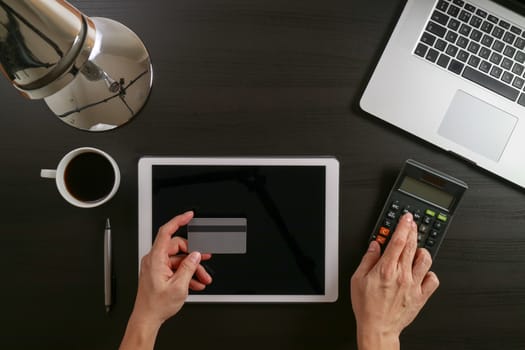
(107, 266)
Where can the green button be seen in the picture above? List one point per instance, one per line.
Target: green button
(430, 212)
(442, 217)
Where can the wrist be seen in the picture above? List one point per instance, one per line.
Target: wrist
(140, 333)
(372, 339)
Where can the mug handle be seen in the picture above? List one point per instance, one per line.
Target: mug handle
(48, 173)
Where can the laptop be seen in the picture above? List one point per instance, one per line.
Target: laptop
(453, 74)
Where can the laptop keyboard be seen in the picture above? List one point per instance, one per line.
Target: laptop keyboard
(476, 45)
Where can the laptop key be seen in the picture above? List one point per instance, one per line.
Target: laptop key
(493, 19)
(521, 100)
(474, 61)
(506, 63)
(495, 58)
(436, 29)
(490, 83)
(487, 27)
(520, 43)
(485, 66)
(507, 77)
(421, 50)
(453, 24)
(487, 40)
(473, 48)
(476, 21)
(465, 29)
(496, 72)
(463, 56)
(453, 11)
(484, 53)
(509, 38)
(456, 67)
(481, 13)
(443, 60)
(509, 51)
(518, 69)
(440, 44)
(518, 83)
(451, 37)
(476, 35)
(440, 17)
(515, 30)
(498, 32)
(428, 39)
(504, 24)
(432, 55)
(442, 5)
(498, 46)
(520, 57)
(470, 8)
(452, 50)
(465, 16)
(462, 42)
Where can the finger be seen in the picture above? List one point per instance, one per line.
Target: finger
(422, 263)
(176, 245)
(429, 285)
(408, 254)
(197, 286)
(398, 241)
(168, 229)
(186, 269)
(201, 274)
(179, 244)
(369, 260)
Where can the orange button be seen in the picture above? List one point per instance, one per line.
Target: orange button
(381, 240)
(384, 231)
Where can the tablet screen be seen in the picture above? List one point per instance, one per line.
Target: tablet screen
(284, 208)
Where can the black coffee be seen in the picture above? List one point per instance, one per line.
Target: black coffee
(89, 177)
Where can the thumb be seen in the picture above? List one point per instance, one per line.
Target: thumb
(370, 258)
(187, 269)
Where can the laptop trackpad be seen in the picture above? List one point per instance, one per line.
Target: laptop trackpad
(477, 125)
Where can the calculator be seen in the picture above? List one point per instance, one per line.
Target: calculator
(430, 195)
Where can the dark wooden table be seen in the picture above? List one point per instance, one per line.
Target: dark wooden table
(241, 77)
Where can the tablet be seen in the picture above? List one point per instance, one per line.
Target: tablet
(270, 223)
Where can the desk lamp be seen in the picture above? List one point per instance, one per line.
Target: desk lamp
(95, 74)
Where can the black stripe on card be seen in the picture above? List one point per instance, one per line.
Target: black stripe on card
(216, 228)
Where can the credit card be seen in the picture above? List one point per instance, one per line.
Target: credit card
(217, 235)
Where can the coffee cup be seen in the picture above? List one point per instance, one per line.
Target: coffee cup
(86, 177)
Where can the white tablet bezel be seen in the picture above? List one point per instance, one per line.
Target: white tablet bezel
(331, 213)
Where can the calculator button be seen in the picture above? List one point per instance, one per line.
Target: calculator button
(423, 228)
(427, 220)
(395, 206)
(430, 242)
(438, 225)
(442, 217)
(381, 240)
(384, 231)
(430, 212)
(406, 210)
(433, 234)
(387, 224)
(391, 215)
(417, 216)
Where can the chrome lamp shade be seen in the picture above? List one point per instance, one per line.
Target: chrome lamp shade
(94, 73)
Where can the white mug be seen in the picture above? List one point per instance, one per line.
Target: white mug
(86, 177)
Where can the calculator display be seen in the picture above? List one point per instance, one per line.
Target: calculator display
(427, 192)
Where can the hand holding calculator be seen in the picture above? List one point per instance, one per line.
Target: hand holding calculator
(430, 195)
